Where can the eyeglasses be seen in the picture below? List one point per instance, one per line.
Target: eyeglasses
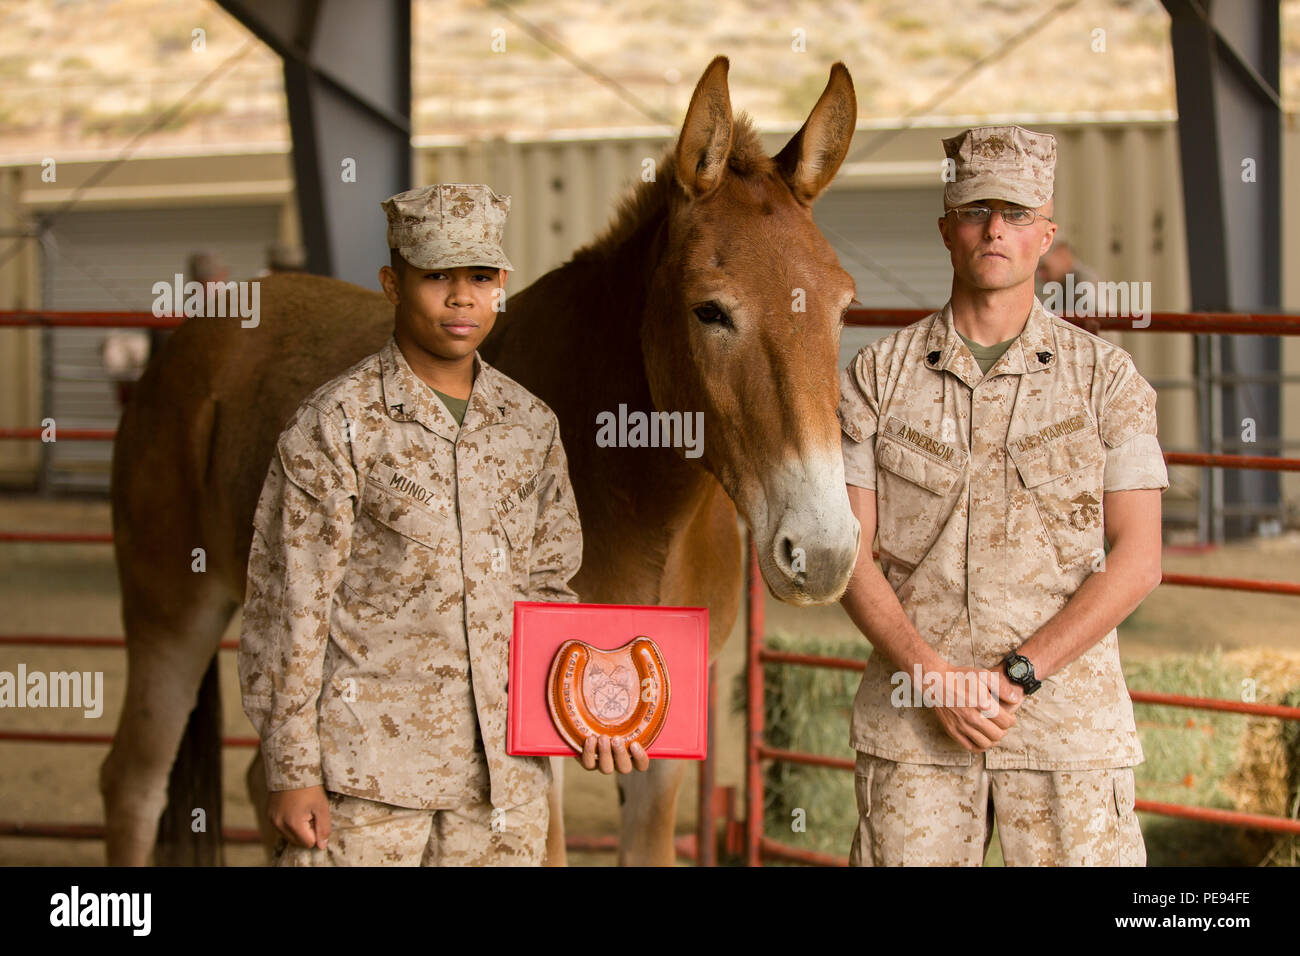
(1012, 215)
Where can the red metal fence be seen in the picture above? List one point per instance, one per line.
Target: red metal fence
(713, 802)
(759, 847)
(685, 846)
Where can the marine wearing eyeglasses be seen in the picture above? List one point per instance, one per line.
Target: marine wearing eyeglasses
(998, 450)
(1010, 214)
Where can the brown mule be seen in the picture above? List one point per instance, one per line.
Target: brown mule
(712, 292)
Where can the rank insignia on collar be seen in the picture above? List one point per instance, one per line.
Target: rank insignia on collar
(933, 358)
(399, 408)
(1044, 357)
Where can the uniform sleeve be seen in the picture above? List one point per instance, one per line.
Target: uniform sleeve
(557, 535)
(1128, 429)
(858, 413)
(302, 537)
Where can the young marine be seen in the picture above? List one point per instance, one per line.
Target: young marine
(998, 450)
(410, 502)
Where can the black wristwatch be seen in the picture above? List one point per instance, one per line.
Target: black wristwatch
(1020, 672)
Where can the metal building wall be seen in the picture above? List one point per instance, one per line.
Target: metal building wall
(1118, 193)
(110, 259)
(20, 351)
(135, 227)
(564, 189)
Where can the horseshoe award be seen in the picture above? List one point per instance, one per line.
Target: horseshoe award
(639, 673)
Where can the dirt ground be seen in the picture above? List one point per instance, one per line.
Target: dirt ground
(72, 589)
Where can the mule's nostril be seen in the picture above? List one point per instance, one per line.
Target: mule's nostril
(793, 561)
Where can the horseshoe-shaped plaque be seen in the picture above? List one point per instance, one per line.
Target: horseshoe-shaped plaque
(619, 693)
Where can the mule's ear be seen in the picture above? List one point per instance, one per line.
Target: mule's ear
(812, 157)
(705, 141)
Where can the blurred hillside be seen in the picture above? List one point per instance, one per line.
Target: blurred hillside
(83, 75)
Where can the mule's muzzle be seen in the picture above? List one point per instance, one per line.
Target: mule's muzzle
(810, 563)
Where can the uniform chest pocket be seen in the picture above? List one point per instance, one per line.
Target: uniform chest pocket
(915, 496)
(517, 520)
(1064, 482)
(517, 524)
(404, 554)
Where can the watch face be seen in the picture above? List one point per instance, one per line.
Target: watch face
(1018, 669)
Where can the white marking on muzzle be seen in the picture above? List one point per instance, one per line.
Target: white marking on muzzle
(806, 534)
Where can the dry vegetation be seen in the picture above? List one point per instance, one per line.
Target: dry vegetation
(87, 74)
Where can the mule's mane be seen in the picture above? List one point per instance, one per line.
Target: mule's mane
(648, 200)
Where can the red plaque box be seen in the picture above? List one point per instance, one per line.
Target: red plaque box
(681, 633)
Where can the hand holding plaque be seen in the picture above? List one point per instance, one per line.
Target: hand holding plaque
(592, 681)
(610, 755)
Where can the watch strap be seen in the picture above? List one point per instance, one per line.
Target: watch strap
(1028, 683)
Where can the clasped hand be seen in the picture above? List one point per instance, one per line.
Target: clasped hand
(979, 725)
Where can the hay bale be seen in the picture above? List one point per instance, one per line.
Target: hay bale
(1198, 758)
(1261, 781)
(809, 709)
(1286, 851)
(1212, 759)
(1267, 776)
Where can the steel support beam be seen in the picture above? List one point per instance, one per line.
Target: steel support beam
(347, 76)
(1226, 65)
(347, 73)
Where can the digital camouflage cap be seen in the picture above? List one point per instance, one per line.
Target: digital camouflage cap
(999, 162)
(448, 225)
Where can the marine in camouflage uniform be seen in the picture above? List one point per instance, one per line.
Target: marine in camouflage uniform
(390, 545)
(989, 502)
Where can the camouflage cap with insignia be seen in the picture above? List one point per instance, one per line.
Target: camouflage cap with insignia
(1000, 162)
(448, 225)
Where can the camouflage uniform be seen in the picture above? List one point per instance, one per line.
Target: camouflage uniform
(367, 833)
(390, 546)
(989, 513)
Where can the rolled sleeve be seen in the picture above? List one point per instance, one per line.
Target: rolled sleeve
(557, 535)
(1128, 430)
(301, 543)
(858, 414)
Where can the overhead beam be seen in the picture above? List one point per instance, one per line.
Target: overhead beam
(1227, 58)
(347, 77)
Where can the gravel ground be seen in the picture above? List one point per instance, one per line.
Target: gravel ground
(72, 589)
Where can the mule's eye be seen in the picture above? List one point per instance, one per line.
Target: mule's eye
(710, 313)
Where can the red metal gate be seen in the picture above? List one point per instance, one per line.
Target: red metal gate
(759, 847)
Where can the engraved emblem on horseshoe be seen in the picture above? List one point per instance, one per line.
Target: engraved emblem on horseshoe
(620, 693)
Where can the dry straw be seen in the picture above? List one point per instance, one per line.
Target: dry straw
(1201, 758)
